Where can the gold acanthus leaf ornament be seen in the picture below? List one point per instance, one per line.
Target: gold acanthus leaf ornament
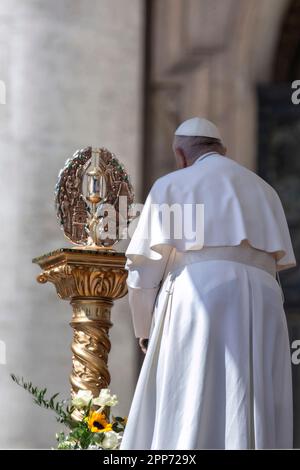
(86, 281)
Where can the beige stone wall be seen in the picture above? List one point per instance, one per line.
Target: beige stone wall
(73, 75)
(206, 58)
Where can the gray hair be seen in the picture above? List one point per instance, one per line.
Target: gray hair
(195, 145)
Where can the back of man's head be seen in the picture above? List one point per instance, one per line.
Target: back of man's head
(195, 146)
(195, 137)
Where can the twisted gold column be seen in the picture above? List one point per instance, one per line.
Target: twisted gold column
(91, 280)
(91, 345)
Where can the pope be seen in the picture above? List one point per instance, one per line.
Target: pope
(203, 287)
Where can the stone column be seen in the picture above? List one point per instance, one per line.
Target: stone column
(73, 72)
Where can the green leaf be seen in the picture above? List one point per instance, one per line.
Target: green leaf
(60, 408)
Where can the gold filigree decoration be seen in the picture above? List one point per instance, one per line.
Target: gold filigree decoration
(86, 281)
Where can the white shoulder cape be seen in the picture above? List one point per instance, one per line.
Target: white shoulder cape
(238, 205)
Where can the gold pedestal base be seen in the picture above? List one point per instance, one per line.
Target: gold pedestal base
(91, 280)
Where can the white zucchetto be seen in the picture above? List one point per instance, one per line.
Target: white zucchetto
(198, 127)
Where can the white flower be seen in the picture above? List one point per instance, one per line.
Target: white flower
(105, 398)
(82, 399)
(111, 440)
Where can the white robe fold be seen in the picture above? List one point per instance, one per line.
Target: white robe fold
(217, 373)
(238, 205)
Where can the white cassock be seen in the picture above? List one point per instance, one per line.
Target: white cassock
(217, 373)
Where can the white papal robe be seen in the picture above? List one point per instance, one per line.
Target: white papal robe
(217, 372)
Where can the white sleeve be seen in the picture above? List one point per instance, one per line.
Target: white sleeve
(143, 281)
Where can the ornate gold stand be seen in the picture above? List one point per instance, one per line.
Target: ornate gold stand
(91, 280)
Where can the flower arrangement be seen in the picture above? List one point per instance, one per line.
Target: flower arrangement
(93, 427)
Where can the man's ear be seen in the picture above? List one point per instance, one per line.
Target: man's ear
(181, 158)
(224, 150)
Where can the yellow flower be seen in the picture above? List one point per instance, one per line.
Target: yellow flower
(107, 428)
(97, 422)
